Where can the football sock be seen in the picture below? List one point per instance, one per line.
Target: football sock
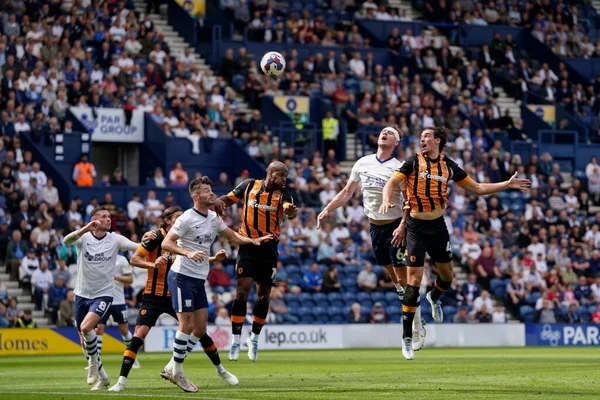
(129, 356)
(238, 316)
(259, 318)
(439, 287)
(179, 349)
(409, 307)
(210, 348)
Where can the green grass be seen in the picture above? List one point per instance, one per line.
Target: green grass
(540, 373)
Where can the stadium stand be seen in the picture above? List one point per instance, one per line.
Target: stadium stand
(470, 67)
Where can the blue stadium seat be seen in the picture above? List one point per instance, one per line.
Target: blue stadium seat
(322, 319)
(292, 269)
(514, 195)
(350, 285)
(307, 319)
(338, 319)
(367, 305)
(303, 311)
(335, 311)
(308, 303)
(393, 310)
(449, 312)
(322, 304)
(296, 278)
(527, 314)
(293, 303)
(498, 288)
(364, 296)
(349, 297)
(591, 309)
(319, 297)
(316, 311)
(378, 269)
(391, 296)
(533, 298)
(377, 296)
(305, 297)
(333, 296)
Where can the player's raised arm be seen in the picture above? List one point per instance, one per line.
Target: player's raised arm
(220, 256)
(339, 200)
(289, 207)
(398, 178)
(126, 244)
(233, 197)
(481, 189)
(72, 237)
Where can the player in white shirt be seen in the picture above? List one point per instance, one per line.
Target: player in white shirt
(118, 309)
(97, 251)
(371, 173)
(190, 240)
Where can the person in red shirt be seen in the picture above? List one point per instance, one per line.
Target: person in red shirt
(596, 316)
(219, 279)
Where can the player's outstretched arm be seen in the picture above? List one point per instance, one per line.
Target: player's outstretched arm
(481, 189)
(388, 192)
(339, 200)
(124, 278)
(72, 237)
(139, 260)
(236, 238)
(222, 203)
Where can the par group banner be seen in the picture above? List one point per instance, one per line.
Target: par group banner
(110, 124)
(562, 335)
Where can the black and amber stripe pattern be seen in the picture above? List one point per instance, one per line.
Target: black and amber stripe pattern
(262, 210)
(156, 284)
(427, 182)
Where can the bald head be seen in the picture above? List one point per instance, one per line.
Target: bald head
(277, 173)
(277, 166)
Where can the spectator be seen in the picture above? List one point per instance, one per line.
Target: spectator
(118, 179)
(366, 279)
(583, 292)
(4, 323)
(61, 271)
(278, 307)
(384, 281)
(471, 289)
(223, 318)
(29, 265)
(356, 316)
(178, 177)
(573, 316)
(219, 279)
(66, 310)
(26, 320)
(56, 294)
(41, 280)
(312, 281)
(596, 316)
(483, 300)
(331, 282)
(378, 315)
(499, 315)
(461, 317)
(470, 252)
(547, 314)
(483, 316)
(84, 172)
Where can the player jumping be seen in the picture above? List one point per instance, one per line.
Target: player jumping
(265, 203)
(427, 175)
(97, 251)
(190, 238)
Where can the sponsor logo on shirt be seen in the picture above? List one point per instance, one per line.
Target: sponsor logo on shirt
(252, 203)
(424, 175)
(372, 181)
(98, 257)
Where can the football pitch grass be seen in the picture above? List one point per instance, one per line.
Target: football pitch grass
(525, 373)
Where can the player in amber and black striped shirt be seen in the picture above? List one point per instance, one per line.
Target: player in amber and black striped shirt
(265, 202)
(427, 176)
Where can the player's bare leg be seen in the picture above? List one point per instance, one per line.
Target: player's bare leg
(96, 373)
(441, 284)
(399, 283)
(238, 315)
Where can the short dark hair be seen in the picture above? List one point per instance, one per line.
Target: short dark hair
(196, 182)
(439, 132)
(97, 210)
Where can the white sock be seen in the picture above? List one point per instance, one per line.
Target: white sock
(399, 287)
(191, 344)
(122, 380)
(236, 339)
(102, 372)
(220, 368)
(127, 338)
(99, 345)
(254, 337)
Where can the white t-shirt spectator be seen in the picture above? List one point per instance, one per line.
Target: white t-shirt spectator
(133, 47)
(480, 301)
(470, 251)
(41, 178)
(125, 63)
(538, 248)
(356, 213)
(188, 60)
(42, 279)
(117, 32)
(133, 208)
(339, 233)
(21, 127)
(159, 56)
(499, 317)
(74, 216)
(357, 67)
(28, 267)
(23, 178)
(366, 277)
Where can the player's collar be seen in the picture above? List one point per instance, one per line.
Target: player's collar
(204, 215)
(383, 161)
(99, 238)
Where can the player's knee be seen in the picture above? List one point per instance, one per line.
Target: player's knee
(140, 332)
(86, 328)
(100, 330)
(199, 332)
(242, 294)
(123, 329)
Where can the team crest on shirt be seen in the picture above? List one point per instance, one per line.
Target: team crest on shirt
(143, 312)
(188, 302)
(240, 270)
(413, 259)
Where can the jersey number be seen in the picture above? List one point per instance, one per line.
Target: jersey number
(124, 312)
(274, 274)
(449, 248)
(102, 306)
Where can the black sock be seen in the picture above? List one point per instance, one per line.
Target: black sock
(259, 316)
(439, 288)
(238, 316)
(130, 355)
(409, 307)
(210, 349)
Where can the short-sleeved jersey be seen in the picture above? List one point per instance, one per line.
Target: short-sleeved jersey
(97, 263)
(373, 174)
(123, 268)
(427, 181)
(156, 284)
(196, 232)
(262, 211)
